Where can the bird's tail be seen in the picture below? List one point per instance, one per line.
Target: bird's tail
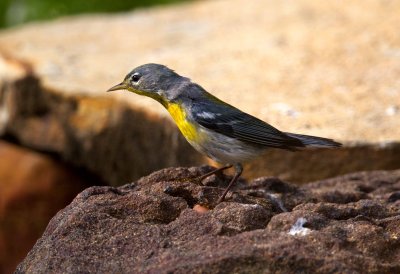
(314, 141)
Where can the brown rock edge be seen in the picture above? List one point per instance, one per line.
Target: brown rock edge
(348, 224)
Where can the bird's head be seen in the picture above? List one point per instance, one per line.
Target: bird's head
(152, 80)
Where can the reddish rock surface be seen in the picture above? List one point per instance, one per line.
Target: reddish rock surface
(348, 224)
(33, 188)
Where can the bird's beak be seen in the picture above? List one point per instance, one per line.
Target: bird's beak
(118, 87)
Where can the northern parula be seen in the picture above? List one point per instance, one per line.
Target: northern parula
(222, 132)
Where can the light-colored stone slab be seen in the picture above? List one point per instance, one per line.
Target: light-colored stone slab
(315, 67)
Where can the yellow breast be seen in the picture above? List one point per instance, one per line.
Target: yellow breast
(178, 114)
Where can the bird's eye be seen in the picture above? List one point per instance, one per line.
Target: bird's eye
(135, 77)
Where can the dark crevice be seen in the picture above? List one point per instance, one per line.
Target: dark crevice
(181, 193)
(82, 172)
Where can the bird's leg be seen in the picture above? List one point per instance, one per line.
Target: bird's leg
(202, 177)
(198, 180)
(238, 171)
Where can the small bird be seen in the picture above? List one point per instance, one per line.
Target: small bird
(222, 132)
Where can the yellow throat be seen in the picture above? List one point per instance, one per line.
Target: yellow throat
(179, 115)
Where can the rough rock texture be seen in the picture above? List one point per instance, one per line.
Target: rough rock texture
(348, 224)
(33, 187)
(314, 67)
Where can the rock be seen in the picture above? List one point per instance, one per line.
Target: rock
(150, 226)
(304, 66)
(237, 217)
(33, 187)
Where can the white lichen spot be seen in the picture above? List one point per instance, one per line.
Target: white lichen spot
(298, 228)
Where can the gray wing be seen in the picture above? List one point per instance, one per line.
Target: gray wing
(230, 121)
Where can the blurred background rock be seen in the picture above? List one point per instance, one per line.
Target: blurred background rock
(34, 186)
(314, 67)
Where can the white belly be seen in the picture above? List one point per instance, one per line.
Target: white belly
(225, 149)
